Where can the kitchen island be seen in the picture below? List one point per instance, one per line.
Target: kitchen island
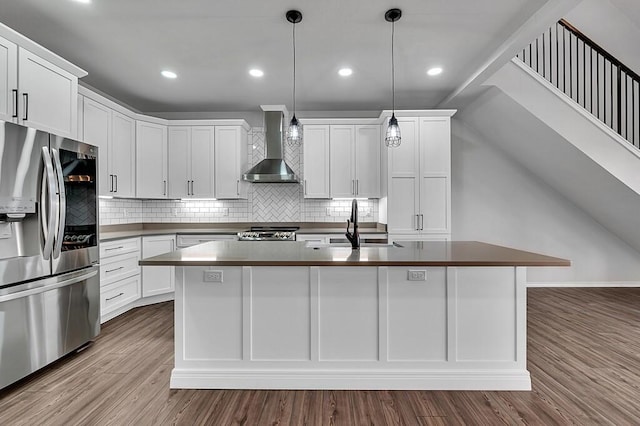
(285, 315)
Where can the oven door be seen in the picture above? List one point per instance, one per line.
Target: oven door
(76, 242)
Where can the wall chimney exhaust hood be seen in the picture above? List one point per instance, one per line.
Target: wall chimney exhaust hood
(272, 169)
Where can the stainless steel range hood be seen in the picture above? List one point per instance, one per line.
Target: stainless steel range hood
(272, 169)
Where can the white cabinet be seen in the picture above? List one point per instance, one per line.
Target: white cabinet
(47, 97)
(96, 130)
(419, 179)
(191, 151)
(157, 279)
(35, 92)
(355, 161)
(114, 134)
(151, 160)
(8, 80)
(230, 159)
(120, 283)
(316, 161)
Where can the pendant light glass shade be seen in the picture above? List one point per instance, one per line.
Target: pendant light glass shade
(294, 132)
(393, 139)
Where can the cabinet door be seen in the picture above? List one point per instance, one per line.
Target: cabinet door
(201, 162)
(316, 161)
(228, 161)
(404, 185)
(151, 160)
(48, 95)
(96, 130)
(122, 155)
(157, 279)
(435, 175)
(179, 142)
(8, 81)
(342, 180)
(367, 161)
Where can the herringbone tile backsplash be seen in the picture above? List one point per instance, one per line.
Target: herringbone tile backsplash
(266, 202)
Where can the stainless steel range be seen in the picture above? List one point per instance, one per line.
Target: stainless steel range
(269, 233)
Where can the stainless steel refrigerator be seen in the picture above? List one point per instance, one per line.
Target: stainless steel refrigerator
(49, 273)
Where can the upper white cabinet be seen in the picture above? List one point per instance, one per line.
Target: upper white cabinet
(151, 160)
(191, 150)
(316, 161)
(47, 95)
(419, 178)
(355, 161)
(231, 160)
(114, 134)
(8, 80)
(34, 92)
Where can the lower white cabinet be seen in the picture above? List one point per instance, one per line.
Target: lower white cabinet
(157, 279)
(120, 281)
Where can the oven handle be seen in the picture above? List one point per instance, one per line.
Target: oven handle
(62, 206)
(48, 225)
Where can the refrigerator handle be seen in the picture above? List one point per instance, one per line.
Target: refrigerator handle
(48, 224)
(51, 284)
(62, 204)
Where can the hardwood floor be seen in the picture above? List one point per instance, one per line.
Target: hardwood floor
(584, 359)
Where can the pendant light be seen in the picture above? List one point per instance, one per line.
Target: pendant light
(392, 138)
(294, 133)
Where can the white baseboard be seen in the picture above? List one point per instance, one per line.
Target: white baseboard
(517, 380)
(590, 284)
(155, 299)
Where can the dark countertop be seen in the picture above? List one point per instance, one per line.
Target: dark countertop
(115, 232)
(296, 253)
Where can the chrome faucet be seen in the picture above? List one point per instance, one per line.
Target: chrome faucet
(353, 237)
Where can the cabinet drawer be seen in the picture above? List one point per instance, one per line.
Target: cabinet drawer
(119, 294)
(192, 240)
(119, 267)
(117, 247)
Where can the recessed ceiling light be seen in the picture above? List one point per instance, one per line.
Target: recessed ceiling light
(256, 72)
(169, 74)
(434, 71)
(345, 72)
(83, 1)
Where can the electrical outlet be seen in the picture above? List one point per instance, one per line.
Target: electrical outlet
(175, 212)
(417, 275)
(127, 212)
(212, 276)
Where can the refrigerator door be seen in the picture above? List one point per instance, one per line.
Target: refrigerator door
(42, 320)
(76, 170)
(27, 204)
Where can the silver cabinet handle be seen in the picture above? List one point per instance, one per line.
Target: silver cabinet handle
(113, 270)
(238, 188)
(188, 188)
(353, 187)
(164, 187)
(357, 186)
(114, 248)
(114, 297)
(305, 187)
(417, 222)
(192, 191)
(116, 186)
(421, 222)
(26, 106)
(15, 103)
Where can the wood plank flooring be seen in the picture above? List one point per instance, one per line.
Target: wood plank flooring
(584, 359)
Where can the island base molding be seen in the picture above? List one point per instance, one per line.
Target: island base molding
(336, 380)
(351, 327)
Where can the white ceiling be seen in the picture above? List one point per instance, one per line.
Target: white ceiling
(211, 45)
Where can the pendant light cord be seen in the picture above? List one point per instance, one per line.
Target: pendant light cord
(294, 69)
(393, 70)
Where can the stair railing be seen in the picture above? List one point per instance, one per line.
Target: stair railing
(590, 76)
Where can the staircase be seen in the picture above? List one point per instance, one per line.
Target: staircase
(585, 138)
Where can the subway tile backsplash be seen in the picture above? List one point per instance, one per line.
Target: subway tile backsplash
(267, 202)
